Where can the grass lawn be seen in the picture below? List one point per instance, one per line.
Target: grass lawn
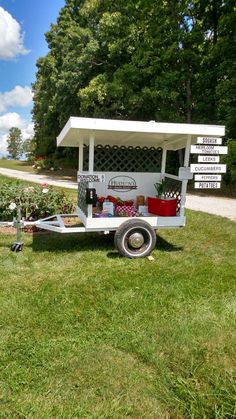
(88, 334)
(24, 166)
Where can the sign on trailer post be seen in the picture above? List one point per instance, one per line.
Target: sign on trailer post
(208, 159)
(208, 149)
(215, 178)
(208, 168)
(207, 185)
(209, 140)
(211, 148)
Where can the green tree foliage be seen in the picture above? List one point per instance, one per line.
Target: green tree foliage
(28, 148)
(14, 143)
(165, 61)
(230, 160)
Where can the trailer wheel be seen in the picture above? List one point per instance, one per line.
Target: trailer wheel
(135, 239)
(16, 247)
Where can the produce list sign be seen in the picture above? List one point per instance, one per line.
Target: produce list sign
(209, 150)
(209, 140)
(208, 168)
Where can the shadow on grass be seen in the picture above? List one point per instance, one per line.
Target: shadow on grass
(80, 242)
(55, 242)
(165, 246)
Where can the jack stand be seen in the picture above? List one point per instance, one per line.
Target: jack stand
(17, 246)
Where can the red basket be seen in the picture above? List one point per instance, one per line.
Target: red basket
(164, 207)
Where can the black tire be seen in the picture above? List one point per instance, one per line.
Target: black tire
(135, 239)
(16, 247)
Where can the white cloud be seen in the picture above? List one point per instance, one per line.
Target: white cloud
(19, 96)
(11, 119)
(3, 145)
(11, 38)
(28, 131)
(8, 121)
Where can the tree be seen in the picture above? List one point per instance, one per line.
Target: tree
(14, 141)
(165, 61)
(28, 148)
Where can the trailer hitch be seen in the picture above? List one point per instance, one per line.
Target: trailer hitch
(18, 223)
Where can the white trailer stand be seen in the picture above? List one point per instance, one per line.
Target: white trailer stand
(134, 236)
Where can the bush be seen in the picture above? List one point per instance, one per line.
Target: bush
(35, 201)
(45, 163)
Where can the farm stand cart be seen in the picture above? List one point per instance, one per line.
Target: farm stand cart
(119, 162)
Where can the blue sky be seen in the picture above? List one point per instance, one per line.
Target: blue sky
(23, 24)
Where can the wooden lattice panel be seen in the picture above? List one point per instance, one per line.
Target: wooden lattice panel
(173, 190)
(125, 159)
(82, 186)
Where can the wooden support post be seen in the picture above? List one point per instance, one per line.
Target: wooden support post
(163, 162)
(185, 182)
(91, 166)
(81, 156)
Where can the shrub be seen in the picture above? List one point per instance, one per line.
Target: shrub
(36, 202)
(45, 164)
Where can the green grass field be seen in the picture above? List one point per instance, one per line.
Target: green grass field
(25, 166)
(88, 334)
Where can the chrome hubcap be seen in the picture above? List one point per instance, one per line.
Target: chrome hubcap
(136, 240)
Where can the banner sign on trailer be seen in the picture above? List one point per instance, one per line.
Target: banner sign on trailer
(208, 149)
(122, 183)
(208, 168)
(207, 185)
(209, 140)
(208, 177)
(98, 177)
(208, 159)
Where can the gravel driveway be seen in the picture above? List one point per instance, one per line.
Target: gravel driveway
(225, 207)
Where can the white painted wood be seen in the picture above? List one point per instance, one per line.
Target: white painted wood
(81, 215)
(136, 133)
(187, 151)
(112, 223)
(81, 156)
(163, 160)
(91, 153)
(184, 174)
(90, 211)
(185, 181)
(172, 176)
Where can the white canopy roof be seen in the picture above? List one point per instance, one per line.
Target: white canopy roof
(133, 133)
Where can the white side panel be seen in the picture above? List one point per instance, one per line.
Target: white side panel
(81, 215)
(113, 223)
(143, 181)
